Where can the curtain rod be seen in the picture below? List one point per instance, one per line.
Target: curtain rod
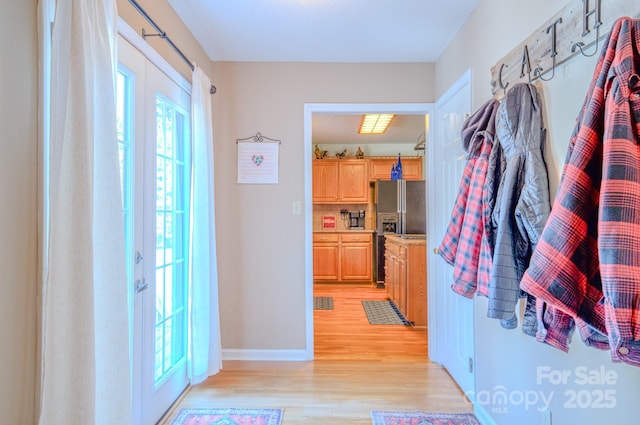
(163, 35)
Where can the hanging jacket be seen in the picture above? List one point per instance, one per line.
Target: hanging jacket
(466, 243)
(587, 264)
(522, 204)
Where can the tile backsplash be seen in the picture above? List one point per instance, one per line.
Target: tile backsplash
(320, 210)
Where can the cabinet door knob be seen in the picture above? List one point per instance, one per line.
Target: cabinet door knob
(436, 251)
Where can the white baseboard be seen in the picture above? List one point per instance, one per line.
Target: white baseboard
(483, 416)
(265, 355)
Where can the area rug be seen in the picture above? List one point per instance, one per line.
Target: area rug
(323, 303)
(422, 418)
(228, 417)
(383, 313)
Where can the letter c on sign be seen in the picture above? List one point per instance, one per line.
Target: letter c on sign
(500, 83)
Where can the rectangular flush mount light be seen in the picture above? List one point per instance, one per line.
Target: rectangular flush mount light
(375, 123)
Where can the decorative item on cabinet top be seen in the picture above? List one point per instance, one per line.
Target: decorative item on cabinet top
(341, 154)
(319, 154)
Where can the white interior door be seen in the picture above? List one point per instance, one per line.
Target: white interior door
(451, 339)
(154, 139)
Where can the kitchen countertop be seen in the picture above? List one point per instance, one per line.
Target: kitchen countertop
(345, 231)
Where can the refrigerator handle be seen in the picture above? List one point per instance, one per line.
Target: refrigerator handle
(404, 196)
(398, 196)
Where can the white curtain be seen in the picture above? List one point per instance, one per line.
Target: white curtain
(85, 338)
(205, 347)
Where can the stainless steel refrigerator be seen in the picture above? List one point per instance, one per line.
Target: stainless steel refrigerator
(407, 199)
(400, 208)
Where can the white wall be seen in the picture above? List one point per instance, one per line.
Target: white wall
(261, 255)
(18, 206)
(509, 360)
(261, 245)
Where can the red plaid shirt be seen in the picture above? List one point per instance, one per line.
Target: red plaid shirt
(466, 242)
(587, 263)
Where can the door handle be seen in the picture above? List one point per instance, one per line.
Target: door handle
(141, 285)
(436, 251)
(139, 257)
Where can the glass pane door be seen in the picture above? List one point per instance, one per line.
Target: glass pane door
(170, 237)
(154, 145)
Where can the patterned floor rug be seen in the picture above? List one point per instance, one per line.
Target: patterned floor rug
(323, 303)
(383, 313)
(228, 417)
(422, 418)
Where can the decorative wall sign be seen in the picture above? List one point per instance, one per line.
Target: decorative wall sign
(576, 29)
(328, 222)
(258, 160)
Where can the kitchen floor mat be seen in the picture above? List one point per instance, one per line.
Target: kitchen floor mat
(383, 313)
(323, 303)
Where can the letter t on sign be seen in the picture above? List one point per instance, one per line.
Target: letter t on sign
(552, 28)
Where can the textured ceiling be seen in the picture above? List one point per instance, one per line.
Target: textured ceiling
(324, 30)
(376, 31)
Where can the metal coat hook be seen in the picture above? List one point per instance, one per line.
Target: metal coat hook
(579, 45)
(539, 71)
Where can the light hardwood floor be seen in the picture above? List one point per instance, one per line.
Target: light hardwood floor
(358, 367)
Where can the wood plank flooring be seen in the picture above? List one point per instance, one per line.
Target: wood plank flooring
(345, 333)
(357, 368)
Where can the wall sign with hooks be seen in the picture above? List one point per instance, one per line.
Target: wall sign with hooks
(258, 160)
(576, 29)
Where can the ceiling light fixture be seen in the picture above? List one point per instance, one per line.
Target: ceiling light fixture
(375, 123)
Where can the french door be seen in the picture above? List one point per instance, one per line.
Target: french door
(451, 342)
(154, 140)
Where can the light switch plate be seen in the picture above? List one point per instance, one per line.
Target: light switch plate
(296, 207)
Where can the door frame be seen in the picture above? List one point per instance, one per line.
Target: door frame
(335, 108)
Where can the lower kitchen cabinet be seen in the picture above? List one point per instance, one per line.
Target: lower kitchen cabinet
(342, 256)
(406, 277)
(326, 257)
(355, 256)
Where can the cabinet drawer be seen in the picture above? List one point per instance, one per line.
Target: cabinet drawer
(356, 237)
(325, 237)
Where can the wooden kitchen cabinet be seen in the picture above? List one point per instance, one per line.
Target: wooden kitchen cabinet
(342, 256)
(403, 290)
(355, 256)
(406, 277)
(326, 256)
(325, 181)
(395, 283)
(380, 168)
(340, 181)
(353, 182)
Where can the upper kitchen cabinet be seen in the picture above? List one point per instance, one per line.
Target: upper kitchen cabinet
(340, 181)
(353, 184)
(325, 181)
(380, 168)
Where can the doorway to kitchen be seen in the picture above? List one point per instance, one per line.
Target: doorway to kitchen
(318, 110)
